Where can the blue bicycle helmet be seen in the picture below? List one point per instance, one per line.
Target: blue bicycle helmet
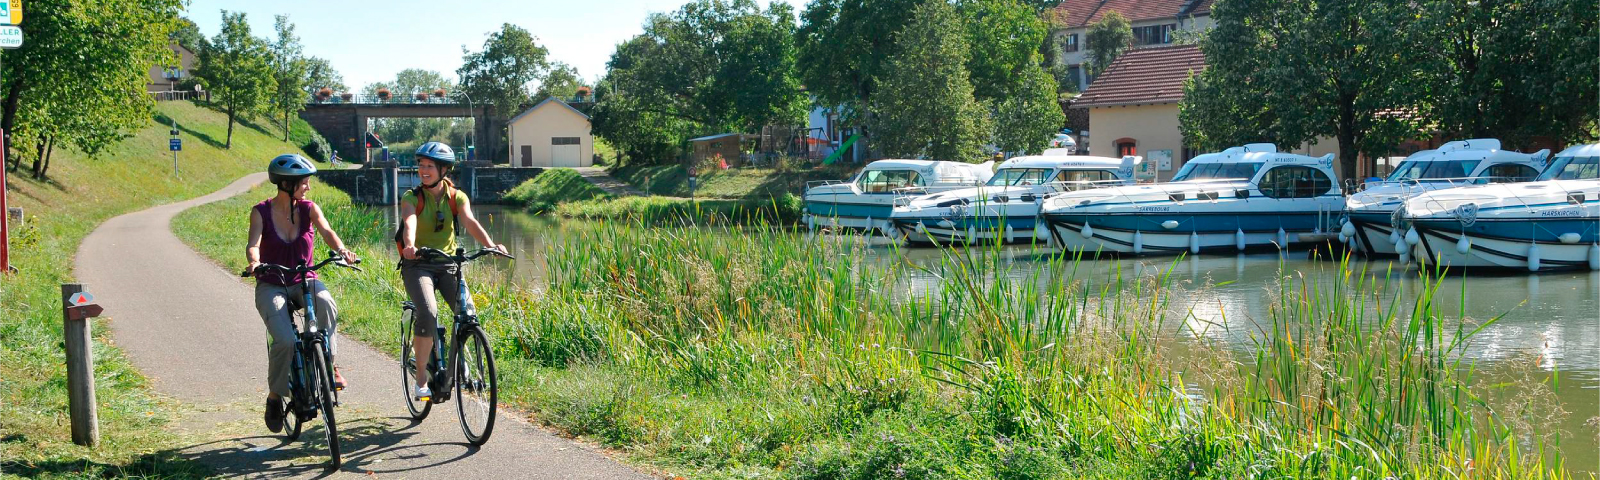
(438, 152)
(289, 167)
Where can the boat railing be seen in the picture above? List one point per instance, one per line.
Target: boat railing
(810, 184)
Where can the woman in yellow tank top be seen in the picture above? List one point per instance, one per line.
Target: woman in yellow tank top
(443, 212)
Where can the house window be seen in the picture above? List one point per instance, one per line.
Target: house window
(564, 141)
(1153, 34)
(1070, 43)
(1127, 147)
(1074, 78)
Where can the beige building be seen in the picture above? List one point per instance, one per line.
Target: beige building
(165, 78)
(1133, 110)
(551, 134)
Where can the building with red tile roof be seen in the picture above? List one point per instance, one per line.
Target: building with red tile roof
(1155, 23)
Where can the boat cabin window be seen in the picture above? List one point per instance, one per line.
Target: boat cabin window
(1433, 170)
(886, 181)
(1293, 181)
(1019, 176)
(1217, 171)
(1506, 173)
(1573, 168)
(1085, 176)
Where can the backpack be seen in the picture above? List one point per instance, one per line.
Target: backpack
(455, 216)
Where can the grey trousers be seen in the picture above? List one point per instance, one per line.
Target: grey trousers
(422, 279)
(272, 302)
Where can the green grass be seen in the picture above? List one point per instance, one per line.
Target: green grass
(79, 194)
(721, 352)
(542, 193)
(735, 183)
(565, 193)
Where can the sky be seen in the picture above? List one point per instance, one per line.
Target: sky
(369, 41)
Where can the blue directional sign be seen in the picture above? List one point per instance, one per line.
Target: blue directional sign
(175, 145)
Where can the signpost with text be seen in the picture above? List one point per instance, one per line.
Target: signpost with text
(10, 37)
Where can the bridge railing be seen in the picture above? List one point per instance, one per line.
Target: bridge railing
(371, 99)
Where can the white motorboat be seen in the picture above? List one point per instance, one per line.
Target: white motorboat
(1007, 207)
(1549, 224)
(1369, 213)
(1243, 198)
(865, 202)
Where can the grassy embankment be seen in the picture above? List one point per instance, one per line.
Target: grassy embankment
(79, 194)
(565, 193)
(723, 353)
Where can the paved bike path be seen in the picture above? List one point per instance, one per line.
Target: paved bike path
(193, 329)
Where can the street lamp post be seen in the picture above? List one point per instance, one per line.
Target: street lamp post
(472, 133)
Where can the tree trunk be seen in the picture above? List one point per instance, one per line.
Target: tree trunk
(229, 144)
(1348, 151)
(13, 98)
(38, 160)
(286, 123)
(49, 151)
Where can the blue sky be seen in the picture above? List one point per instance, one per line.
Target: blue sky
(369, 41)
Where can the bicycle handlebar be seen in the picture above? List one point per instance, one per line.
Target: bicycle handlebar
(333, 257)
(459, 257)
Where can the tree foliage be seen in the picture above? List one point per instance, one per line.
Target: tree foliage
(405, 85)
(842, 46)
(503, 72)
(710, 67)
(1106, 40)
(1294, 71)
(320, 73)
(925, 97)
(1026, 117)
(237, 68)
(561, 82)
(289, 72)
(79, 79)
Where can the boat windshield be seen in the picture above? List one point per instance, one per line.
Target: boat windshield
(1019, 176)
(886, 181)
(1217, 171)
(1433, 170)
(1572, 168)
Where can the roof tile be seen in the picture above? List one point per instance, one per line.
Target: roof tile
(1144, 75)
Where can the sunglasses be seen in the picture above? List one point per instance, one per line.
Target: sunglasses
(438, 221)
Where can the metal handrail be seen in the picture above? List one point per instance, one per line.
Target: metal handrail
(373, 99)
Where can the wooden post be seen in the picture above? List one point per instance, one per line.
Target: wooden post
(80, 373)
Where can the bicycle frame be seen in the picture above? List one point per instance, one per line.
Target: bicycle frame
(466, 317)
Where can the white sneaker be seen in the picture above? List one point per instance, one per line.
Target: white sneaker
(423, 393)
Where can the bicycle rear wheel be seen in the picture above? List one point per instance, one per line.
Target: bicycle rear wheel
(477, 389)
(291, 419)
(408, 371)
(323, 378)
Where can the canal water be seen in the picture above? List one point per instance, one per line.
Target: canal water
(1546, 327)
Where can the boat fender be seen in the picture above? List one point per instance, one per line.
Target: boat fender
(1400, 248)
(922, 228)
(1570, 238)
(1087, 231)
(970, 237)
(1394, 236)
(1283, 238)
(1412, 238)
(1533, 256)
(946, 224)
(1138, 242)
(1041, 231)
(1343, 238)
(1463, 245)
(1169, 224)
(1011, 234)
(810, 223)
(1594, 257)
(1238, 238)
(1194, 243)
(1348, 230)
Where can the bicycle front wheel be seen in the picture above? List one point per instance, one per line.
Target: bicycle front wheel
(477, 389)
(324, 380)
(408, 371)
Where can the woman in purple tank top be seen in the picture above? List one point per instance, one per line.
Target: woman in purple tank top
(281, 233)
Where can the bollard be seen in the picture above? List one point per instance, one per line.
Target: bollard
(76, 310)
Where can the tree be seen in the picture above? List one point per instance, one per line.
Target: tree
(1294, 71)
(842, 45)
(1004, 38)
(710, 67)
(319, 74)
(407, 83)
(501, 74)
(562, 82)
(188, 35)
(1511, 69)
(237, 69)
(80, 78)
(1026, 118)
(925, 106)
(1106, 40)
(289, 72)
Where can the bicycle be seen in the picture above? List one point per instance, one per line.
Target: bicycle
(471, 358)
(311, 382)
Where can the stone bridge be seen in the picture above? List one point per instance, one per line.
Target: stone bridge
(344, 122)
